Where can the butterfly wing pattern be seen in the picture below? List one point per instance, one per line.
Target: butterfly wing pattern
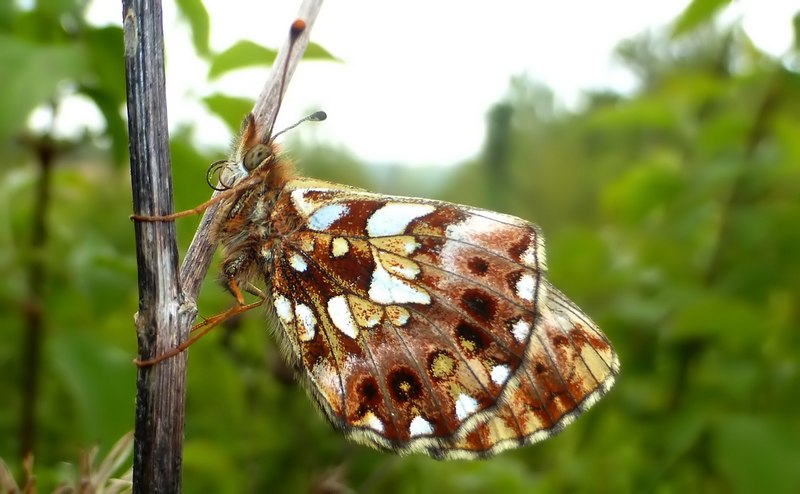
(416, 325)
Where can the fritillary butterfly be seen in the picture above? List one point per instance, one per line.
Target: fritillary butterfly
(416, 325)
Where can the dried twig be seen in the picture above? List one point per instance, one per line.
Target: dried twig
(162, 321)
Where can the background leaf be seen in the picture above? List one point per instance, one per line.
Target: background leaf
(196, 14)
(241, 54)
(23, 88)
(697, 13)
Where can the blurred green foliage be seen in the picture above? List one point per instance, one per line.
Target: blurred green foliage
(672, 217)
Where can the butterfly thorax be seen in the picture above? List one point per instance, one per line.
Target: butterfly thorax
(246, 231)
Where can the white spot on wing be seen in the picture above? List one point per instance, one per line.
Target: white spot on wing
(500, 374)
(339, 247)
(300, 203)
(525, 286)
(394, 217)
(307, 322)
(408, 271)
(374, 422)
(468, 229)
(411, 246)
(297, 262)
(402, 318)
(341, 316)
(304, 206)
(465, 406)
(327, 380)
(521, 329)
(284, 309)
(528, 258)
(419, 427)
(324, 217)
(388, 289)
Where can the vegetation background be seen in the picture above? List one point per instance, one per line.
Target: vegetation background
(672, 216)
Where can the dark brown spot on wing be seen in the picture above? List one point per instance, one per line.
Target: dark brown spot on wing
(478, 266)
(404, 384)
(478, 304)
(369, 389)
(472, 338)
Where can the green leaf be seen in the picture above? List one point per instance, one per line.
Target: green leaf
(796, 30)
(107, 57)
(248, 54)
(196, 14)
(189, 167)
(644, 190)
(240, 55)
(116, 126)
(229, 108)
(207, 467)
(7, 15)
(31, 76)
(758, 454)
(58, 8)
(41, 26)
(106, 87)
(645, 113)
(101, 381)
(698, 12)
(722, 319)
(317, 52)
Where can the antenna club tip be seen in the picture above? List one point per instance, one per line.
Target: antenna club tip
(298, 26)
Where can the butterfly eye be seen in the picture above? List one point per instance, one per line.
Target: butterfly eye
(256, 156)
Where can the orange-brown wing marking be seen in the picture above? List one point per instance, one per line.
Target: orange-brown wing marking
(571, 365)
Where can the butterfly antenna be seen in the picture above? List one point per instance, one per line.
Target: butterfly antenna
(317, 116)
(298, 26)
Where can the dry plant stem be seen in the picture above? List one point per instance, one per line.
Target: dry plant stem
(163, 320)
(198, 257)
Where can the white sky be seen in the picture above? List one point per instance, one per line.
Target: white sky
(418, 76)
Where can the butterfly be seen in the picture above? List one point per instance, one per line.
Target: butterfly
(416, 325)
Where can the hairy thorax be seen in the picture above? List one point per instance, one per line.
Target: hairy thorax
(247, 230)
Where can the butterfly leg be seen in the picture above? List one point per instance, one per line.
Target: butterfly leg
(196, 210)
(203, 328)
(180, 214)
